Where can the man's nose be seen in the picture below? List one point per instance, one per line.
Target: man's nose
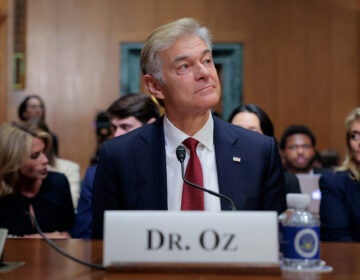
(201, 71)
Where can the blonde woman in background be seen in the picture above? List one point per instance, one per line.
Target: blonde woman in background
(26, 185)
(340, 190)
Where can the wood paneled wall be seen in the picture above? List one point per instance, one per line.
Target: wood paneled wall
(4, 12)
(301, 59)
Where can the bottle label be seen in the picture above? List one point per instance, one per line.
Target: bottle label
(300, 242)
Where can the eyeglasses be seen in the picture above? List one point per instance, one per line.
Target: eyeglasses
(296, 147)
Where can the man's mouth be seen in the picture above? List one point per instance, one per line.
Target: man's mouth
(204, 88)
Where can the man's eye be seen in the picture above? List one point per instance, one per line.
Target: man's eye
(208, 61)
(125, 127)
(184, 67)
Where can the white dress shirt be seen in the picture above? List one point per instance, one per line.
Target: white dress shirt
(206, 153)
(71, 170)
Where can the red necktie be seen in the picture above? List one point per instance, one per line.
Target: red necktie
(192, 198)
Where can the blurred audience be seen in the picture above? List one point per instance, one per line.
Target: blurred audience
(252, 117)
(103, 133)
(33, 107)
(26, 185)
(298, 150)
(330, 158)
(340, 190)
(125, 114)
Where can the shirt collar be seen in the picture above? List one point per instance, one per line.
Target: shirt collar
(174, 136)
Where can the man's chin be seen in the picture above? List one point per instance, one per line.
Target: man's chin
(212, 99)
(302, 169)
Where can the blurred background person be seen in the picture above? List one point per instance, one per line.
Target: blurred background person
(71, 170)
(300, 157)
(298, 150)
(33, 107)
(340, 190)
(68, 167)
(132, 111)
(251, 116)
(125, 114)
(103, 132)
(26, 185)
(330, 158)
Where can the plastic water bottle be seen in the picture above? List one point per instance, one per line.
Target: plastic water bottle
(283, 218)
(299, 234)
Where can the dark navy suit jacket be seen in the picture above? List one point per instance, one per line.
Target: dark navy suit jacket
(339, 207)
(83, 219)
(131, 173)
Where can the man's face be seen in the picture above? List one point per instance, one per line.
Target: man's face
(299, 153)
(191, 84)
(122, 126)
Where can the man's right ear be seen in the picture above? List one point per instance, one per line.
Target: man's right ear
(153, 86)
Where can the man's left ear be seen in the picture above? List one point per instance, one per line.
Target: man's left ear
(153, 86)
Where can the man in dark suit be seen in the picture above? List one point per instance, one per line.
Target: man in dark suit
(140, 171)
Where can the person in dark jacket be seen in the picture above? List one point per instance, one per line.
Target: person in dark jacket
(27, 188)
(340, 190)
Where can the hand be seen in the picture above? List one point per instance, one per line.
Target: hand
(50, 235)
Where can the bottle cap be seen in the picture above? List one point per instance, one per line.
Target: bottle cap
(297, 200)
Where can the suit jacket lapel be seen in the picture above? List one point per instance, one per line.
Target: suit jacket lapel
(151, 167)
(231, 164)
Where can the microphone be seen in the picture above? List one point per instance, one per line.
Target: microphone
(58, 249)
(181, 154)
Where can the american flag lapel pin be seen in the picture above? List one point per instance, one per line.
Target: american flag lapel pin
(236, 159)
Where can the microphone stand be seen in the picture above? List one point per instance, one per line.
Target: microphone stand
(181, 154)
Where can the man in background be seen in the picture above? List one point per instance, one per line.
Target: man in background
(300, 157)
(125, 114)
(298, 150)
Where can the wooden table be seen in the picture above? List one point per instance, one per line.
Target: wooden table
(43, 262)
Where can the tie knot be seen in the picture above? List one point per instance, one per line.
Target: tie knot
(191, 144)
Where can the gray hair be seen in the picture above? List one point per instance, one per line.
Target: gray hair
(163, 38)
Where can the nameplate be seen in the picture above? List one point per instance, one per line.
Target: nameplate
(192, 237)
